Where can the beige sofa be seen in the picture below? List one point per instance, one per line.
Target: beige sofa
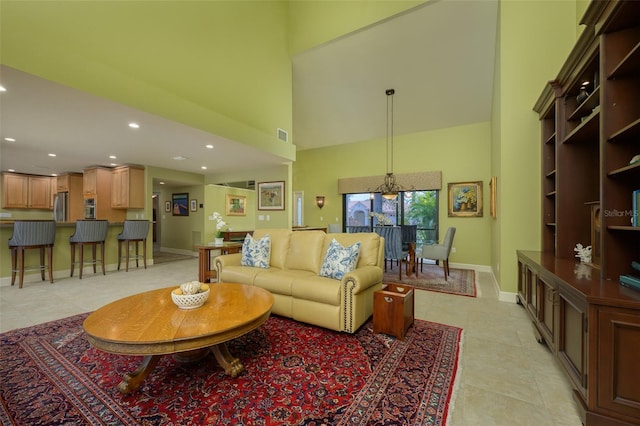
(299, 292)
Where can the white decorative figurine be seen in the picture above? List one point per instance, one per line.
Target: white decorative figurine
(584, 253)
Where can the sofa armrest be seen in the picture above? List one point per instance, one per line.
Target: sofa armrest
(227, 260)
(363, 278)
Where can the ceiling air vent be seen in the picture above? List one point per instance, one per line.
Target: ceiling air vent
(283, 135)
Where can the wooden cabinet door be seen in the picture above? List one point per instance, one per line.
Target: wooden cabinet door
(62, 183)
(617, 369)
(14, 191)
(39, 192)
(119, 193)
(573, 338)
(547, 312)
(90, 182)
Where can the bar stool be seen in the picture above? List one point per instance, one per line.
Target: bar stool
(92, 233)
(134, 231)
(32, 234)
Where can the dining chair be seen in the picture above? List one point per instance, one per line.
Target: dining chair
(409, 237)
(32, 234)
(392, 245)
(133, 231)
(88, 233)
(440, 252)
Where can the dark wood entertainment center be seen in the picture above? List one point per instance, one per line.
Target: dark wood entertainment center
(590, 133)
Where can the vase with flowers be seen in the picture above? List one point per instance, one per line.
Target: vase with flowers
(220, 226)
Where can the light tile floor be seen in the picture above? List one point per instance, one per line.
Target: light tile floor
(506, 377)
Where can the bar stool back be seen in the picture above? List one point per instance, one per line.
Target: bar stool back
(32, 234)
(134, 231)
(92, 233)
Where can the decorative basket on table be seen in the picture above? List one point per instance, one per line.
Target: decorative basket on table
(190, 295)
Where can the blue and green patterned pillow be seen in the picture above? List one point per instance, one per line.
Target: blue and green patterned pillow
(256, 252)
(339, 260)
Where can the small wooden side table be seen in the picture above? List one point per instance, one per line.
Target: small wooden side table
(393, 308)
(205, 273)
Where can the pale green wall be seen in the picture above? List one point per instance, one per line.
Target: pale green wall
(215, 197)
(276, 218)
(462, 154)
(528, 56)
(220, 66)
(312, 23)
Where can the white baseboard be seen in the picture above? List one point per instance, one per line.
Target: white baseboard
(503, 296)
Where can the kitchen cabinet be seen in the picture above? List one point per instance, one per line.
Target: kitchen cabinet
(26, 191)
(96, 185)
(65, 181)
(127, 187)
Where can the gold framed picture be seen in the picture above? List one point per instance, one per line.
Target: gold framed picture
(271, 195)
(465, 199)
(236, 205)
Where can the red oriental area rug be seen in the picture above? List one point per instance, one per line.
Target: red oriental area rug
(460, 281)
(295, 374)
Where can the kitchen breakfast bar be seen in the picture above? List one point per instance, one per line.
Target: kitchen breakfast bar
(62, 253)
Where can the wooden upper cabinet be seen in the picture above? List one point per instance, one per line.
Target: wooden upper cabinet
(90, 181)
(39, 192)
(127, 187)
(26, 191)
(14, 191)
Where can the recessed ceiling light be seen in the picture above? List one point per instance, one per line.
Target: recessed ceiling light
(203, 167)
(161, 183)
(54, 174)
(11, 170)
(3, 89)
(179, 158)
(209, 146)
(113, 164)
(51, 155)
(9, 139)
(134, 125)
(113, 157)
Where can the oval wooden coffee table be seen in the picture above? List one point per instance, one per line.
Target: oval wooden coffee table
(150, 324)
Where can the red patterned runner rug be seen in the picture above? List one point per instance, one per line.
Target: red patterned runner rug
(460, 281)
(295, 374)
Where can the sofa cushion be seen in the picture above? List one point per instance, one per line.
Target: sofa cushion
(305, 251)
(369, 246)
(256, 252)
(339, 260)
(279, 244)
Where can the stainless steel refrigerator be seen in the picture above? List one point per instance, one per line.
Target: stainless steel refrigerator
(61, 207)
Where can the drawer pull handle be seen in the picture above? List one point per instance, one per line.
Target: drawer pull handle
(400, 289)
(388, 299)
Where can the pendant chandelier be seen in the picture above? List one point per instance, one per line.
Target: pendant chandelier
(390, 188)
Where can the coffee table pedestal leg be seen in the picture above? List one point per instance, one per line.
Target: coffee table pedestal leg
(231, 365)
(132, 381)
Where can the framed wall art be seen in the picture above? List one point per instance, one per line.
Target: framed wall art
(236, 205)
(167, 206)
(193, 205)
(180, 204)
(271, 195)
(465, 199)
(493, 185)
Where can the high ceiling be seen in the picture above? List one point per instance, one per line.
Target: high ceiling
(438, 57)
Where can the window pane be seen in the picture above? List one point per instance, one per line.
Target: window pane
(410, 208)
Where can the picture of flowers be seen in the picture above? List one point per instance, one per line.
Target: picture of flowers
(271, 195)
(465, 199)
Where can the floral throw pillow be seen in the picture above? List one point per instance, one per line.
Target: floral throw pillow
(339, 260)
(256, 252)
